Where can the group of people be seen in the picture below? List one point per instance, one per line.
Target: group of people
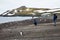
(54, 20)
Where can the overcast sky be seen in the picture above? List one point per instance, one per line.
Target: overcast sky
(11, 4)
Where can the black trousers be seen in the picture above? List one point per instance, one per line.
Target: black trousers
(35, 23)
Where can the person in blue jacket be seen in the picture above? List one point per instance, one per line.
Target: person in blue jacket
(54, 19)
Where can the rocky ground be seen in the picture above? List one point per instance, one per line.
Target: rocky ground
(43, 31)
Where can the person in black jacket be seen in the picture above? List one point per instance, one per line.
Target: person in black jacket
(35, 22)
(54, 19)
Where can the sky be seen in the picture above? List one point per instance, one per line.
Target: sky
(12, 4)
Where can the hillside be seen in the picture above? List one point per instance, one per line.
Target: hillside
(23, 10)
(26, 11)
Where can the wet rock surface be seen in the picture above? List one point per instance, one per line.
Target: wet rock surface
(43, 31)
